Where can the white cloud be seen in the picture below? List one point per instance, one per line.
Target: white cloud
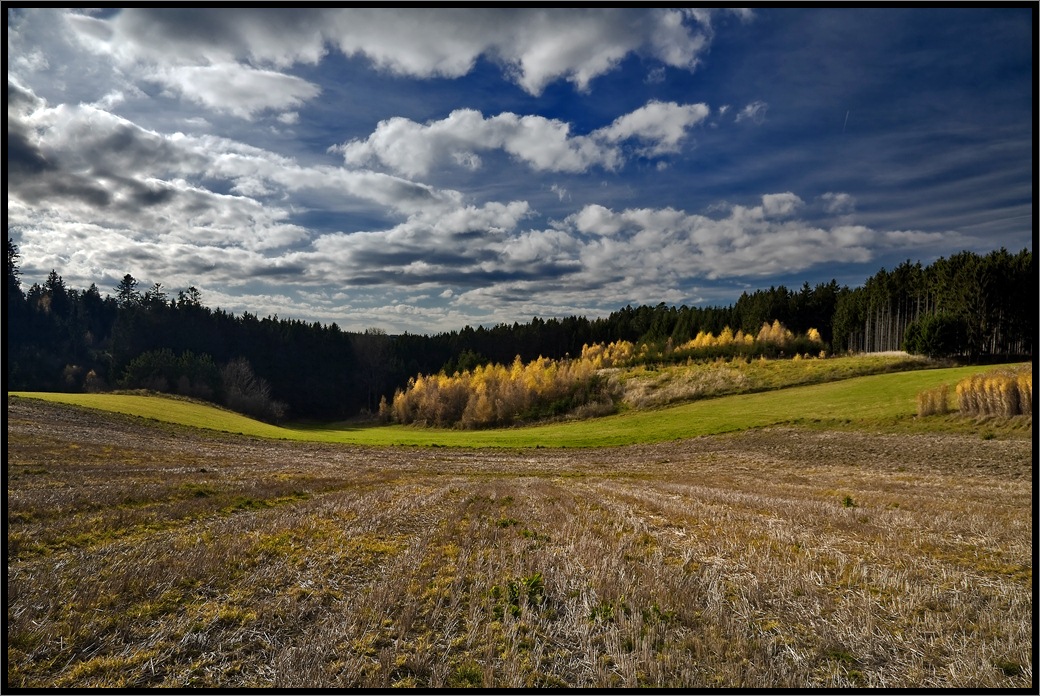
(189, 51)
(838, 202)
(744, 242)
(661, 124)
(597, 220)
(780, 204)
(156, 196)
(754, 112)
(536, 46)
(415, 149)
(34, 61)
(242, 91)
(632, 255)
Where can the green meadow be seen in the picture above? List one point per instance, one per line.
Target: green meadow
(884, 402)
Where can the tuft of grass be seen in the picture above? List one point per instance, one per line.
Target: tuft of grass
(1003, 392)
(934, 401)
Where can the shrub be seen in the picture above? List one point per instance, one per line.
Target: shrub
(934, 401)
(1000, 392)
(246, 393)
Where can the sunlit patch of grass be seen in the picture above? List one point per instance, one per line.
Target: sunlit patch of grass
(885, 401)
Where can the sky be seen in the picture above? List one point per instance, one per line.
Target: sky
(423, 169)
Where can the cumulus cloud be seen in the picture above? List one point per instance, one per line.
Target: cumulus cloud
(427, 247)
(535, 46)
(414, 149)
(488, 260)
(82, 152)
(837, 203)
(746, 241)
(780, 204)
(192, 51)
(662, 125)
(92, 193)
(241, 91)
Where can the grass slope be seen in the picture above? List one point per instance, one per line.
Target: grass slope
(884, 401)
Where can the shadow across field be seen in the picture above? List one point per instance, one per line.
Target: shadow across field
(147, 555)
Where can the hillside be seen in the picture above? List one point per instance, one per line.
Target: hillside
(882, 403)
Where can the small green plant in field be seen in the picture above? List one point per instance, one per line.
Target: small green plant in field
(840, 654)
(608, 611)
(198, 490)
(507, 522)
(1010, 669)
(535, 536)
(528, 591)
(654, 614)
(467, 676)
(848, 502)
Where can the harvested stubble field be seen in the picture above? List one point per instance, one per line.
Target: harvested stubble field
(142, 555)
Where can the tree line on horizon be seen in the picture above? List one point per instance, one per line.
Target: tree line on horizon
(968, 306)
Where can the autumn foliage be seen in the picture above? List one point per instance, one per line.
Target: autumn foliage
(496, 395)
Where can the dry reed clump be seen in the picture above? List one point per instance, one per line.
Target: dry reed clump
(1002, 392)
(935, 401)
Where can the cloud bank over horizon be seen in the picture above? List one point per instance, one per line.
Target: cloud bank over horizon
(420, 170)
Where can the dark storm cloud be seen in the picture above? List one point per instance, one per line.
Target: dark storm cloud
(278, 270)
(24, 159)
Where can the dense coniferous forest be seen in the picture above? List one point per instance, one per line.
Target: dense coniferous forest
(967, 306)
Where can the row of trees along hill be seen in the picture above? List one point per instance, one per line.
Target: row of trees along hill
(63, 339)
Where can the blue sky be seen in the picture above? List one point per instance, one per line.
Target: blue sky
(423, 169)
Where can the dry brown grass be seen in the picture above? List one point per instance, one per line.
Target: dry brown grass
(141, 557)
(935, 401)
(1002, 392)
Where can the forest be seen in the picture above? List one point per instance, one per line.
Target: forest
(968, 307)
